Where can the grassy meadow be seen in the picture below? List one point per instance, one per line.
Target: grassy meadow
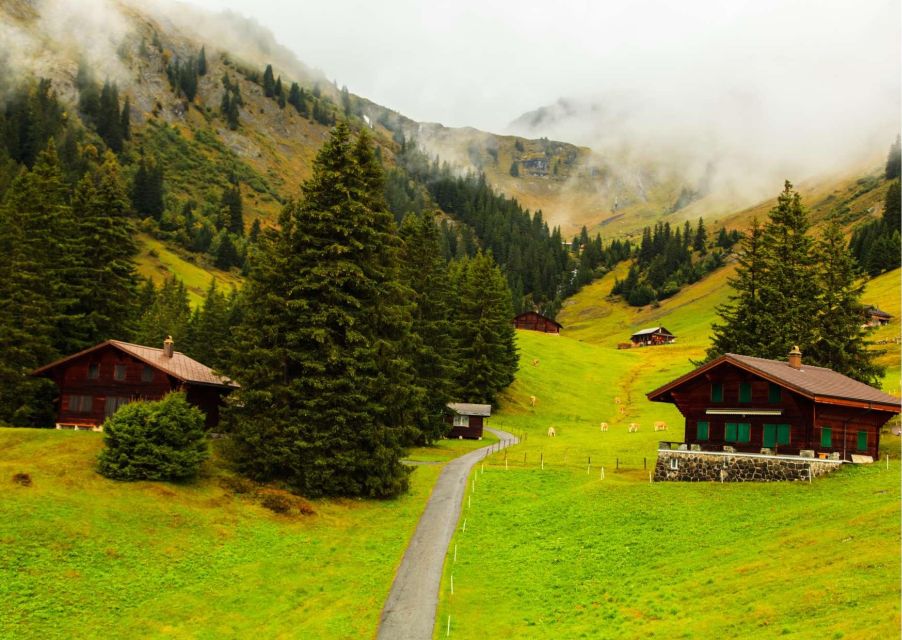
(86, 557)
(560, 553)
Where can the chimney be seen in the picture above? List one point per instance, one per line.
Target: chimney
(795, 358)
(167, 346)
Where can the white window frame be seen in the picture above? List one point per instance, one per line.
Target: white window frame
(461, 421)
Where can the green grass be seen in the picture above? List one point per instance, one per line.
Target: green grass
(86, 557)
(447, 449)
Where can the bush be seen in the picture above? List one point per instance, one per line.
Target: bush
(22, 479)
(161, 440)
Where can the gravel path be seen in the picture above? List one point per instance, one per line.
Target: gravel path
(409, 612)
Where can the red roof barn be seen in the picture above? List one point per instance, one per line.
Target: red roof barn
(535, 321)
(95, 382)
(750, 404)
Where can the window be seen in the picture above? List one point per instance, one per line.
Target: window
(80, 404)
(112, 405)
(119, 372)
(862, 440)
(775, 434)
(147, 374)
(674, 464)
(93, 371)
(461, 421)
(774, 393)
(738, 432)
(826, 437)
(745, 392)
(716, 392)
(701, 430)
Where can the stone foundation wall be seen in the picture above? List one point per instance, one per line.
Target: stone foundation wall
(693, 466)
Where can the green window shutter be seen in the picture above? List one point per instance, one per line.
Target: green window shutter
(730, 432)
(745, 392)
(862, 440)
(769, 438)
(774, 393)
(826, 437)
(701, 431)
(782, 434)
(716, 392)
(745, 432)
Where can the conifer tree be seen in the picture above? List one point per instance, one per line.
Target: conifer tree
(346, 101)
(700, 243)
(107, 281)
(892, 211)
(894, 160)
(233, 208)
(147, 188)
(269, 82)
(839, 342)
(109, 118)
(209, 330)
(485, 333)
(167, 316)
(202, 62)
(435, 352)
(125, 125)
(323, 318)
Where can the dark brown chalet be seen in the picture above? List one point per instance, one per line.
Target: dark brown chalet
(652, 337)
(752, 404)
(534, 321)
(467, 420)
(95, 382)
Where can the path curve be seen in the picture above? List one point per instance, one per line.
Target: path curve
(409, 611)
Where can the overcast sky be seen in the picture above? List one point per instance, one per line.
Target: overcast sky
(483, 63)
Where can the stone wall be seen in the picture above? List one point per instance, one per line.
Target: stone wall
(694, 466)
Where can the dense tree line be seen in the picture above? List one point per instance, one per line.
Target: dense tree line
(792, 289)
(877, 244)
(668, 258)
(99, 106)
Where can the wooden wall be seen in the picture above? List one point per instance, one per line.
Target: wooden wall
(473, 431)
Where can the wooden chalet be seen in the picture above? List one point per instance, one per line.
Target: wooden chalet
(95, 382)
(467, 420)
(753, 404)
(651, 337)
(534, 321)
(875, 317)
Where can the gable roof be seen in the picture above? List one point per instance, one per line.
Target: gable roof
(645, 332)
(874, 311)
(546, 318)
(468, 409)
(817, 383)
(178, 366)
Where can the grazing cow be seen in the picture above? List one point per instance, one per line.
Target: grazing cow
(532, 401)
(604, 426)
(617, 400)
(634, 427)
(660, 426)
(551, 432)
(622, 410)
(535, 362)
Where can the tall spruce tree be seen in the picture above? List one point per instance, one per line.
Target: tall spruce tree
(435, 351)
(839, 341)
(700, 242)
(484, 331)
(202, 62)
(269, 82)
(318, 348)
(892, 209)
(106, 278)
(209, 330)
(168, 315)
(894, 160)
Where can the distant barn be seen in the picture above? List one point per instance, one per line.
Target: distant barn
(467, 420)
(875, 317)
(651, 337)
(95, 382)
(534, 321)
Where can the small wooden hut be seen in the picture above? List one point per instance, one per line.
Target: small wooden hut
(467, 420)
(534, 321)
(651, 337)
(875, 317)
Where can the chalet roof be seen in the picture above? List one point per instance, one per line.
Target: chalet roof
(179, 365)
(536, 313)
(817, 383)
(467, 409)
(874, 311)
(646, 332)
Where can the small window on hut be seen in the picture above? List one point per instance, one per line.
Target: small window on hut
(119, 372)
(147, 374)
(745, 392)
(862, 441)
(826, 437)
(701, 430)
(774, 393)
(93, 371)
(716, 392)
(461, 421)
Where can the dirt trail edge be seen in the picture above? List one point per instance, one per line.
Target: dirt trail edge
(409, 611)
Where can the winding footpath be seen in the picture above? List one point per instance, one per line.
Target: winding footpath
(409, 611)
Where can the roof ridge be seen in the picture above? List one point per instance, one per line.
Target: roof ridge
(804, 366)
